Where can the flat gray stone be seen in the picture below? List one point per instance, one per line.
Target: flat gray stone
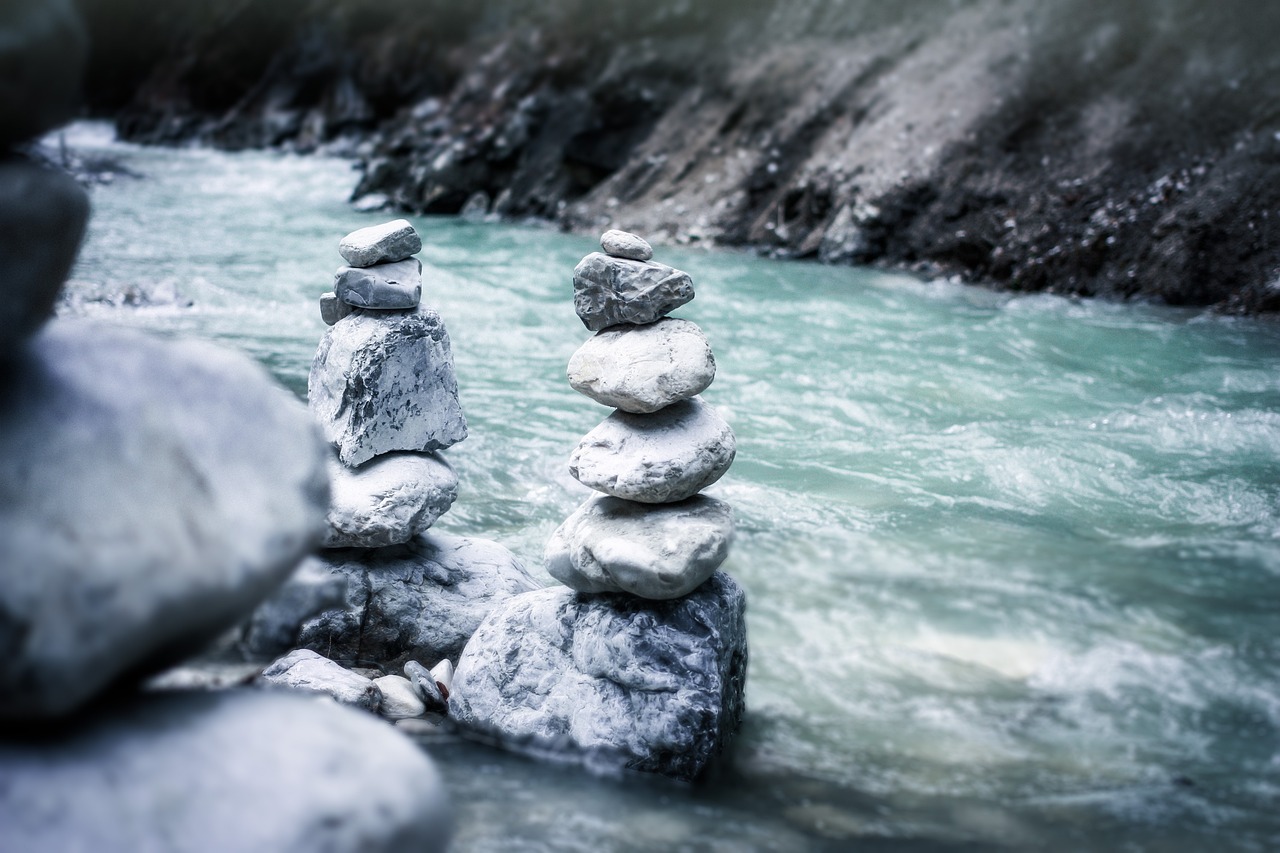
(385, 287)
(333, 309)
(608, 291)
(654, 551)
(387, 499)
(152, 493)
(380, 244)
(42, 220)
(400, 700)
(662, 457)
(623, 244)
(642, 369)
(206, 772)
(306, 670)
(613, 680)
(382, 382)
(43, 51)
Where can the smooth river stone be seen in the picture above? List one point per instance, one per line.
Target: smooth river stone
(623, 244)
(380, 244)
(152, 493)
(608, 291)
(658, 552)
(662, 457)
(642, 369)
(304, 669)
(333, 309)
(387, 500)
(43, 52)
(384, 381)
(400, 700)
(615, 680)
(386, 287)
(208, 772)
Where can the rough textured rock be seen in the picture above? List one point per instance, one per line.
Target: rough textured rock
(303, 669)
(608, 291)
(652, 686)
(245, 770)
(420, 600)
(400, 700)
(658, 552)
(43, 49)
(387, 499)
(42, 219)
(622, 244)
(273, 628)
(382, 382)
(380, 244)
(333, 309)
(151, 494)
(663, 457)
(643, 369)
(385, 287)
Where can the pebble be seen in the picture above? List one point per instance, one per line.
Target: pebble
(333, 309)
(400, 700)
(304, 669)
(380, 244)
(622, 244)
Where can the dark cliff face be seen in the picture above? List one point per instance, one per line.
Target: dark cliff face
(1116, 149)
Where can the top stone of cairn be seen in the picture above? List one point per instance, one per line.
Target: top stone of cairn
(380, 244)
(621, 244)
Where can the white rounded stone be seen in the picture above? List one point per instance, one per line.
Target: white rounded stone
(400, 701)
(642, 369)
(623, 244)
(387, 500)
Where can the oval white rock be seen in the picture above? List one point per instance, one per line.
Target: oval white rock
(387, 500)
(623, 244)
(642, 369)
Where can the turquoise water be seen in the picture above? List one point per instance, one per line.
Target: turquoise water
(1013, 563)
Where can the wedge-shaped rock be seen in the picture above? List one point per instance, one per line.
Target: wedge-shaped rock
(382, 382)
(305, 670)
(658, 552)
(206, 772)
(664, 457)
(152, 493)
(380, 244)
(608, 291)
(642, 369)
(387, 499)
(333, 309)
(385, 287)
(615, 680)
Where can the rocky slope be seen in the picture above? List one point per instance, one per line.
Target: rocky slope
(1125, 150)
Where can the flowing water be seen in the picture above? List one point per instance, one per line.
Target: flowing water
(1013, 562)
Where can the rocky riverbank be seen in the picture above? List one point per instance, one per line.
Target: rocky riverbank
(1127, 151)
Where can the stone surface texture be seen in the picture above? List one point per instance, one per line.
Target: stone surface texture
(380, 244)
(387, 499)
(385, 287)
(642, 369)
(622, 244)
(616, 680)
(42, 219)
(663, 457)
(43, 50)
(206, 772)
(425, 685)
(400, 700)
(608, 291)
(333, 309)
(273, 628)
(304, 669)
(152, 493)
(382, 382)
(654, 551)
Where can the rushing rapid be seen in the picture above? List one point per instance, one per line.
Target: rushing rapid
(1012, 562)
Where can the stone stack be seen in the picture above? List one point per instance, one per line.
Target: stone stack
(642, 660)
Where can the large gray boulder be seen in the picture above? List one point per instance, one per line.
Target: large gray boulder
(387, 499)
(152, 493)
(380, 244)
(654, 551)
(384, 381)
(384, 287)
(305, 670)
(243, 770)
(421, 600)
(273, 628)
(608, 291)
(663, 457)
(616, 680)
(42, 219)
(642, 369)
(43, 50)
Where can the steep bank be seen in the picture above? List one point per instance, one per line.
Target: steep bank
(1122, 150)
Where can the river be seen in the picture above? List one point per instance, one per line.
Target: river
(1013, 562)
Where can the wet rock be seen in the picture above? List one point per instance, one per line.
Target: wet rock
(273, 628)
(621, 244)
(425, 684)
(380, 244)
(387, 499)
(170, 485)
(42, 219)
(642, 369)
(400, 700)
(617, 680)
(385, 287)
(304, 669)
(659, 552)
(333, 309)
(662, 457)
(443, 675)
(43, 49)
(608, 291)
(229, 770)
(420, 600)
(382, 382)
